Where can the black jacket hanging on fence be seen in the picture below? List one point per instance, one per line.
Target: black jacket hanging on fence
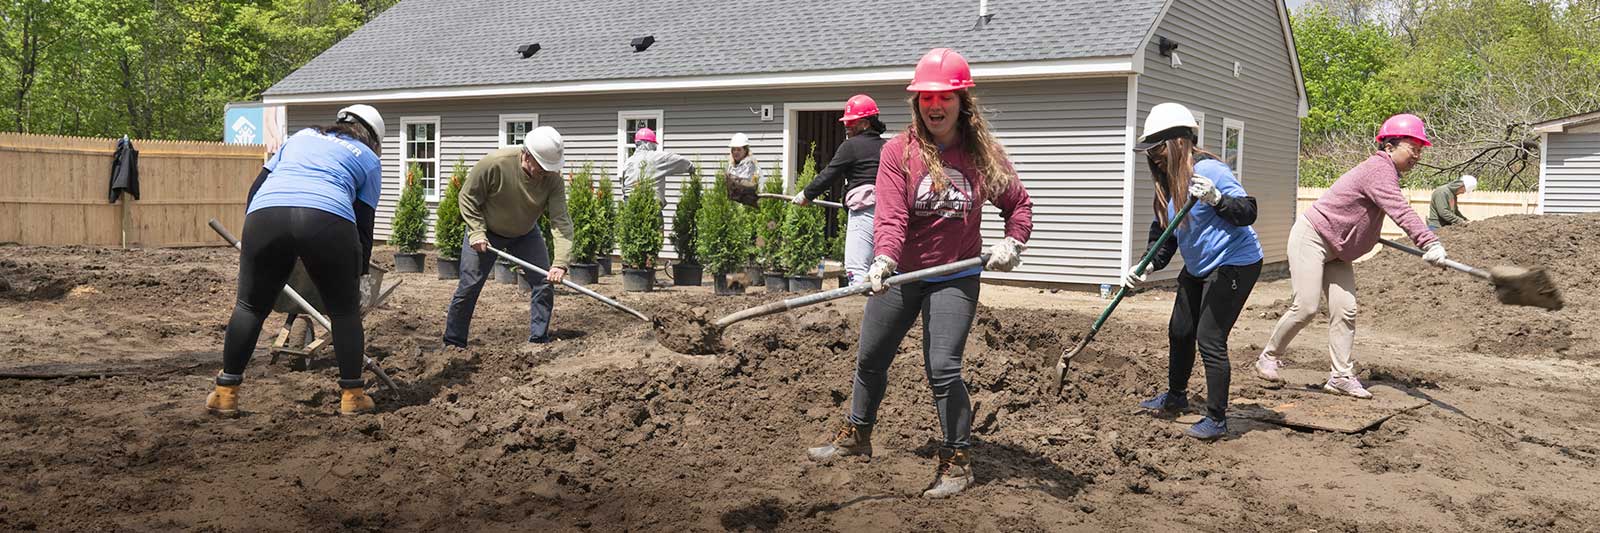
(124, 170)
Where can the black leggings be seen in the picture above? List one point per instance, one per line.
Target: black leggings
(332, 253)
(1205, 311)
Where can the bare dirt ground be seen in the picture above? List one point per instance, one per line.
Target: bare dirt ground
(605, 430)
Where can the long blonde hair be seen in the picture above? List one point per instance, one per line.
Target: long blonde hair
(988, 155)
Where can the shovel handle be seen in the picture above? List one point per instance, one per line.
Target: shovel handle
(859, 288)
(226, 235)
(574, 286)
(1447, 263)
(823, 203)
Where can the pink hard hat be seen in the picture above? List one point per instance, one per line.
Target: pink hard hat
(1404, 125)
(859, 106)
(644, 134)
(941, 69)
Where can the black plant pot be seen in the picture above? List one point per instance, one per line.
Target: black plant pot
(523, 283)
(775, 283)
(753, 273)
(449, 268)
(805, 284)
(409, 262)
(583, 273)
(844, 281)
(605, 265)
(727, 285)
(686, 275)
(638, 279)
(504, 274)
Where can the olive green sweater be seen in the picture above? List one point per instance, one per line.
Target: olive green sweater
(499, 197)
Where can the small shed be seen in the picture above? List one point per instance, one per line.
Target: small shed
(1569, 164)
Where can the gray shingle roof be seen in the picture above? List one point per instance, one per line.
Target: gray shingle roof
(454, 43)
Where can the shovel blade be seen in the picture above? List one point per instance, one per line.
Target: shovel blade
(1061, 364)
(1528, 287)
(742, 191)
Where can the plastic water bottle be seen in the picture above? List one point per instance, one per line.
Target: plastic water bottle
(1105, 290)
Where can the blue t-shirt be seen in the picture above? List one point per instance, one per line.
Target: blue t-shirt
(1207, 241)
(324, 172)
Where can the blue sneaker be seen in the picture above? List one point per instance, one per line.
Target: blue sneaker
(1166, 402)
(1208, 429)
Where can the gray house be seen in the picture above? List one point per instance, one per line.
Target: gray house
(1066, 84)
(1569, 164)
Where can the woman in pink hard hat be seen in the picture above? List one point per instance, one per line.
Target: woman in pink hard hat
(1341, 226)
(931, 185)
(856, 162)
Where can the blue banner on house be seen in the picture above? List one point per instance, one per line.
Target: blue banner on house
(244, 125)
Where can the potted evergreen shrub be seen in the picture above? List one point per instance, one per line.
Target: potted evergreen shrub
(449, 230)
(802, 240)
(722, 242)
(608, 228)
(639, 233)
(768, 224)
(583, 205)
(410, 224)
(687, 271)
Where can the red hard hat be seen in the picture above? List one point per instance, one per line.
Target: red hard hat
(644, 134)
(1404, 125)
(859, 106)
(941, 69)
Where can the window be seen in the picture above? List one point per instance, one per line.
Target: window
(629, 122)
(1200, 136)
(513, 128)
(419, 141)
(1233, 145)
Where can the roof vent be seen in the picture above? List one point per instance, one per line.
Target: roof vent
(1167, 46)
(984, 16)
(641, 43)
(528, 50)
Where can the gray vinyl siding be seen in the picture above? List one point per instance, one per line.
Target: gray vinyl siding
(1572, 173)
(1212, 35)
(1065, 136)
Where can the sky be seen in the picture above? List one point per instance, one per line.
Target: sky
(1295, 4)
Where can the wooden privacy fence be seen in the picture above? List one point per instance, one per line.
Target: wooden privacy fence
(56, 191)
(1476, 205)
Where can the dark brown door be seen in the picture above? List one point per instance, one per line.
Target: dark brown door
(826, 132)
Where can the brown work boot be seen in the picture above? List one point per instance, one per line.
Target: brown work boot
(224, 401)
(355, 401)
(850, 440)
(955, 474)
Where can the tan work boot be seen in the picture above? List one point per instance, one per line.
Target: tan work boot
(224, 401)
(355, 401)
(850, 440)
(955, 474)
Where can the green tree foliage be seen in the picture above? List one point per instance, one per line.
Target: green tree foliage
(639, 228)
(721, 240)
(588, 216)
(804, 242)
(608, 226)
(684, 222)
(767, 225)
(411, 216)
(1341, 65)
(449, 229)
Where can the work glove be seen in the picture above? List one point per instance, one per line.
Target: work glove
(1434, 254)
(1130, 280)
(800, 199)
(882, 268)
(1006, 255)
(1203, 189)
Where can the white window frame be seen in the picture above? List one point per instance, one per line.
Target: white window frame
(1238, 168)
(791, 115)
(515, 117)
(430, 195)
(1200, 120)
(623, 142)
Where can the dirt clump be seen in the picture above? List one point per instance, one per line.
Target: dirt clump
(687, 329)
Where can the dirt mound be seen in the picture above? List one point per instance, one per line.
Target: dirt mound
(1401, 292)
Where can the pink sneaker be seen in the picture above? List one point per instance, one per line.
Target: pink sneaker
(1349, 386)
(1267, 368)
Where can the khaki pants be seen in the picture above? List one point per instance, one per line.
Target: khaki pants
(1313, 270)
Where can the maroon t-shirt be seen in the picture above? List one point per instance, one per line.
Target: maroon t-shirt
(919, 228)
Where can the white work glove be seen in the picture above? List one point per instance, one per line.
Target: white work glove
(882, 268)
(800, 199)
(1434, 254)
(1005, 255)
(1131, 280)
(1203, 189)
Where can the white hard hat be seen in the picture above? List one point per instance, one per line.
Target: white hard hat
(1166, 116)
(364, 114)
(1470, 181)
(546, 147)
(739, 140)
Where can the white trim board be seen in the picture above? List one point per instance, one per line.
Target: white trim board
(438, 147)
(1016, 70)
(1227, 123)
(791, 113)
(1129, 188)
(1544, 165)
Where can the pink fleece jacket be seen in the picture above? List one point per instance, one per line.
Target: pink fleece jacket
(1350, 215)
(919, 228)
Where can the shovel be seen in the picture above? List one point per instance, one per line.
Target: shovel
(823, 203)
(1150, 255)
(305, 306)
(570, 285)
(1512, 285)
(710, 335)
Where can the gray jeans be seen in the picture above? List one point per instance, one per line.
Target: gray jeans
(947, 308)
(858, 244)
(475, 269)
